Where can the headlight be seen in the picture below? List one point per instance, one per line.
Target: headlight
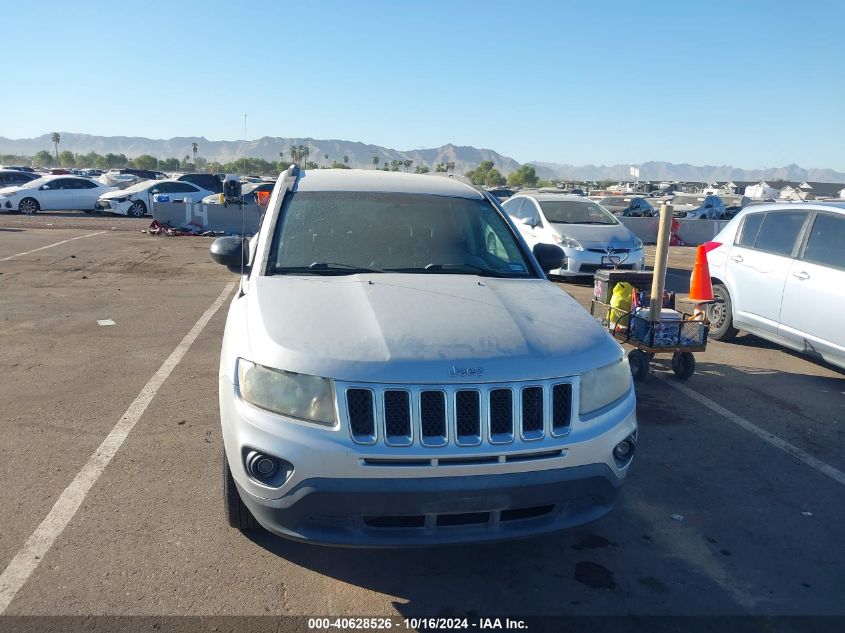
(567, 242)
(600, 387)
(295, 395)
(124, 199)
(638, 243)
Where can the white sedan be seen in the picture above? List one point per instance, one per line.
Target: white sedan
(136, 201)
(53, 193)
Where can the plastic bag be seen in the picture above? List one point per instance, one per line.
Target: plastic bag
(620, 304)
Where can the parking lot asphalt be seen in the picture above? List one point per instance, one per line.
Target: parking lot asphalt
(714, 518)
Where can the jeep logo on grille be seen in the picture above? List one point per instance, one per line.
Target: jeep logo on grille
(465, 372)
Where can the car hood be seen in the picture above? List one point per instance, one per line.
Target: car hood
(597, 235)
(112, 193)
(422, 328)
(6, 191)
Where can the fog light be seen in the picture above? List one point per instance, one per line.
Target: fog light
(266, 469)
(623, 452)
(260, 466)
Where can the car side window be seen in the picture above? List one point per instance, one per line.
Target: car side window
(779, 232)
(61, 183)
(85, 184)
(826, 243)
(181, 187)
(750, 228)
(164, 187)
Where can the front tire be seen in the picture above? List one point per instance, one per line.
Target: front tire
(29, 206)
(720, 315)
(237, 514)
(137, 210)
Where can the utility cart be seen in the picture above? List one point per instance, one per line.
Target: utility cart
(673, 333)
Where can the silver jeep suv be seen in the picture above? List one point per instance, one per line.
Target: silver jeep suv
(392, 376)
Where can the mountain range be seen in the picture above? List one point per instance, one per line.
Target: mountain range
(361, 155)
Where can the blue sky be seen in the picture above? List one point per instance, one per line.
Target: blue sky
(748, 83)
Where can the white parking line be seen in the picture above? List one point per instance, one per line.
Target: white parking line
(35, 250)
(39, 543)
(774, 440)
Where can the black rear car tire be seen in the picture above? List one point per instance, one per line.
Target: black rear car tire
(237, 514)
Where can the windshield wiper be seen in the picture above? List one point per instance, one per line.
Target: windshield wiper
(457, 269)
(327, 268)
(336, 265)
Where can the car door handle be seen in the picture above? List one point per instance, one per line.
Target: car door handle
(802, 275)
(736, 258)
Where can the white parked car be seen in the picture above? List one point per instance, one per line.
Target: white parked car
(780, 270)
(53, 193)
(589, 234)
(136, 201)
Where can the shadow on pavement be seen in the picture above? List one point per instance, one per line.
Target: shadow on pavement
(751, 341)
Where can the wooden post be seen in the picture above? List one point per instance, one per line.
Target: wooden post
(661, 260)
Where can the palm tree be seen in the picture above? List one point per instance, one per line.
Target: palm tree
(407, 162)
(326, 156)
(293, 153)
(302, 153)
(56, 139)
(194, 148)
(375, 162)
(450, 166)
(345, 159)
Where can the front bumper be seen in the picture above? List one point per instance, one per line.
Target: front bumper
(440, 510)
(587, 262)
(111, 206)
(6, 204)
(342, 493)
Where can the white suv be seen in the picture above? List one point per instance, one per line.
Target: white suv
(386, 379)
(780, 271)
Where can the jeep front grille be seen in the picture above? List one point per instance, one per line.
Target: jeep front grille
(361, 419)
(462, 415)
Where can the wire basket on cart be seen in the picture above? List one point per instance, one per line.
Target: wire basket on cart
(678, 335)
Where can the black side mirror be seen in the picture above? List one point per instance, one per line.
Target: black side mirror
(230, 252)
(549, 256)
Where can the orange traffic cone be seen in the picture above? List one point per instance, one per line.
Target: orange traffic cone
(701, 287)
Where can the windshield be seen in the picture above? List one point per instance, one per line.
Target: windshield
(140, 186)
(576, 212)
(340, 232)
